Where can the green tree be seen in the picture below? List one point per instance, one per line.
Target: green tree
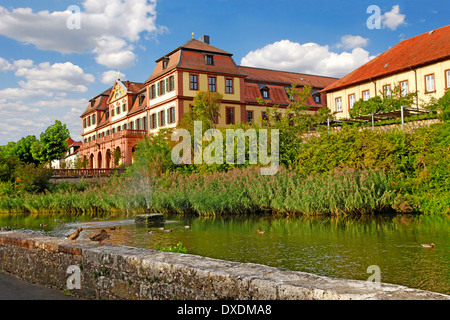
(206, 107)
(52, 144)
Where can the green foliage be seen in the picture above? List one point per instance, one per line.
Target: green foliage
(383, 103)
(52, 144)
(177, 249)
(32, 179)
(444, 106)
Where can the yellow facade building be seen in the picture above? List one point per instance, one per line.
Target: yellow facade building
(420, 64)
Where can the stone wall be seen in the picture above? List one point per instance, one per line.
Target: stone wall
(119, 272)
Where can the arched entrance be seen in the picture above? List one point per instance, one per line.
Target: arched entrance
(117, 157)
(91, 161)
(108, 159)
(133, 150)
(99, 160)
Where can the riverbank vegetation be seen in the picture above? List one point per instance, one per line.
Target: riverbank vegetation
(350, 171)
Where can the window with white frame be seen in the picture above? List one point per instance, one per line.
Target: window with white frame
(338, 104)
(366, 95)
(387, 91)
(404, 88)
(429, 83)
(351, 100)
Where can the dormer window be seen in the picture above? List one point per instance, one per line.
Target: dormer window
(317, 99)
(265, 93)
(165, 63)
(209, 59)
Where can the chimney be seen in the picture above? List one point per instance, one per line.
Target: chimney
(204, 39)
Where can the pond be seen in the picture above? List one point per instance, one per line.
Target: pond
(329, 246)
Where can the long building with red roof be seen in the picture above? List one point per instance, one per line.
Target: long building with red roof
(420, 64)
(115, 120)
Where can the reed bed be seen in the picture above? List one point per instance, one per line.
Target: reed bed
(242, 191)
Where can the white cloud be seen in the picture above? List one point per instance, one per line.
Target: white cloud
(5, 65)
(393, 19)
(120, 22)
(46, 80)
(109, 77)
(310, 58)
(20, 118)
(350, 42)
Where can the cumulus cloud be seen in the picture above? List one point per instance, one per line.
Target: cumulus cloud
(109, 77)
(108, 28)
(21, 118)
(310, 58)
(393, 19)
(350, 42)
(46, 80)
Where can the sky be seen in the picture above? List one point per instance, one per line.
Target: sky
(55, 55)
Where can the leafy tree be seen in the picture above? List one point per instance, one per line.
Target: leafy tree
(206, 107)
(52, 144)
(297, 120)
(23, 149)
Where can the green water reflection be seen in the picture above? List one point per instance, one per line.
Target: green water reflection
(335, 247)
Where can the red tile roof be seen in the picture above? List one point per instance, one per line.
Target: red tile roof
(424, 49)
(196, 61)
(284, 77)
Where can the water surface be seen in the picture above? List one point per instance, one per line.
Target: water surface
(334, 247)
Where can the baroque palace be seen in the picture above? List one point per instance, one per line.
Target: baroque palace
(116, 119)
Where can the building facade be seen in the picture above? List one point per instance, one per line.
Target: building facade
(420, 64)
(118, 118)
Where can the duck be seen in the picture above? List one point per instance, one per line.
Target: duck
(151, 232)
(43, 225)
(101, 236)
(112, 228)
(187, 227)
(261, 232)
(162, 228)
(167, 230)
(431, 245)
(7, 228)
(75, 235)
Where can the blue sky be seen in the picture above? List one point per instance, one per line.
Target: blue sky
(49, 71)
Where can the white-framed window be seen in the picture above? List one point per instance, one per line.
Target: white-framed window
(366, 95)
(338, 104)
(429, 83)
(387, 91)
(351, 100)
(404, 88)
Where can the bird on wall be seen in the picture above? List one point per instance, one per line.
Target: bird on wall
(101, 236)
(75, 235)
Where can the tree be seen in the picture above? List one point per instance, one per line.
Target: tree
(297, 120)
(206, 107)
(23, 150)
(52, 144)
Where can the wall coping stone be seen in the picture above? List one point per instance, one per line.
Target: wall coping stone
(137, 273)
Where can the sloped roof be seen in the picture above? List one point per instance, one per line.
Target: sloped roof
(284, 77)
(427, 48)
(189, 56)
(277, 95)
